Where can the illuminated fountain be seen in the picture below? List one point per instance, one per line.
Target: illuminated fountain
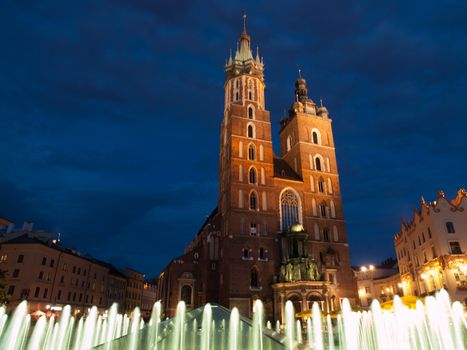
(437, 324)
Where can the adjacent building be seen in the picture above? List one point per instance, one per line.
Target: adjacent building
(278, 231)
(5, 226)
(149, 297)
(431, 248)
(380, 282)
(50, 276)
(134, 289)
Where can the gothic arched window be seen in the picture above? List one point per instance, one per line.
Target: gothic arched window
(185, 294)
(254, 282)
(251, 131)
(289, 209)
(315, 137)
(326, 234)
(251, 152)
(252, 175)
(322, 208)
(318, 163)
(321, 185)
(250, 112)
(253, 201)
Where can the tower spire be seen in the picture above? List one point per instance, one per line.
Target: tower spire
(244, 51)
(244, 23)
(243, 60)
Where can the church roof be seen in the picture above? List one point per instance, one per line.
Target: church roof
(282, 170)
(209, 218)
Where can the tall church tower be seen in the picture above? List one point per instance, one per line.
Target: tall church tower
(246, 188)
(245, 129)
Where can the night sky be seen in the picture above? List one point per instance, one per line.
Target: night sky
(110, 112)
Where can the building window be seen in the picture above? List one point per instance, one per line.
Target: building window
(254, 282)
(11, 290)
(326, 234)
(315, 137)
(321, 185)
(15, 273)
(185, 294)
(44, 260)
(455, 247)
(289, 210)
(322, 208)
(450, 227)
(41, 275)
(251, 152)
(318, 163)
(252, 175)
(251, 131)
(246, 253)
(52, 262)
(59, 295)
(253, 229)
(429, 233)
(433, 252)
(262, 254)
(20, 258)
(423, 237)
(46, 291)
(250, 90)
(253, 201)
(250, 112)
(36, 292)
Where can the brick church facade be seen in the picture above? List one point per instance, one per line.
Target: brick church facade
(278, 232)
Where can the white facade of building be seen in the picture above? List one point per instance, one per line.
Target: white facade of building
(377, 283)
(431, 248)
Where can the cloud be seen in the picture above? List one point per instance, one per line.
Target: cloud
(110, 111)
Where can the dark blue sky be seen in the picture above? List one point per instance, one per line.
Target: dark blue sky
(110, 112)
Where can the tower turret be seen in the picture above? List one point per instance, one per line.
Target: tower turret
(243, 61)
